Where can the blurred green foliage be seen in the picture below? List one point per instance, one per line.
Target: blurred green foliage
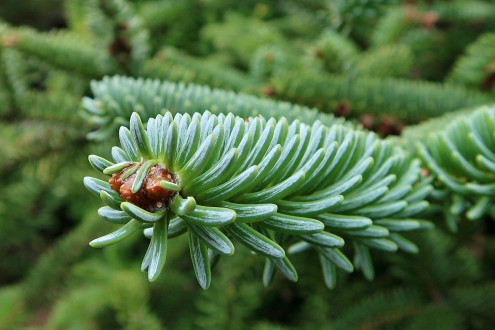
(364, 60)
(43, 14)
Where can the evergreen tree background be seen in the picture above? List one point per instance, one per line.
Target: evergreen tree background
(383, 64)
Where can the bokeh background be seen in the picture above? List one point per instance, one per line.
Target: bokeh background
(50, 51)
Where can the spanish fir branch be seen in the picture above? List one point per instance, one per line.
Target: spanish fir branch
(173, 65)
(238, 273)
(6, 95)
(389, 61)
(299, 20)
(338, 54)
(462, 159)
(269, 61)
(436, 33)
(96, 22)
(116, 27)
(474, 12)
(420, 132)
(29, 178)
(433, 52)
(121, 291)
(283, 190)
(76, 21)
(471, 302)
(442, 291)
(171, 23)
(117, 97)
(48, 272)
(476, 68)
(20, 141)
(54, 107)
(59, 81)
(411, 101)
(390, 27)
(240, 36)
(159, 14)
(61, 49)
(335, 52)
(381, 310)
(15, 76)
(269, 185)
(355, 16)
(11, 306)
(398, 21)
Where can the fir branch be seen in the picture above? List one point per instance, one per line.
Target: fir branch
(475, 12)
(262, 182)
(171, 23)
(128, 43)
(79, 307)
(61, 49)
(49, 270)
(122, 292)
(17, 150)
(379, 310)
(270, 61)
(6, 97)
(241, 36)
(389, 61)
(407, 100)
(11, 306)
(476, 68)
(343, 185)
(390, 27)
(461, 157)
(298, 21)
(173, 65)
(15, 75)
(117, 97)
(421, 131)
(335, 52)
(474, 302)
(54, 107)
